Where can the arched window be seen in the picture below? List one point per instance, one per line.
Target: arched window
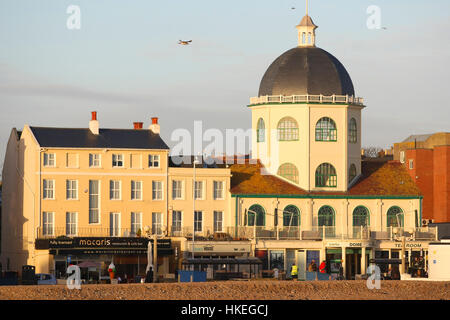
(291, 216)
(326, 176)
(351, 173)
(261, 131)
(287, 129)
(326, 216)
(352, 131)
(326, 220)
(360, 217)
(394, 217)
(256, 212)
(303, 37)
(326, 130)
(309, 38)
(288, 171)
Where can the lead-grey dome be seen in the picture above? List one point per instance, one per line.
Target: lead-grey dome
(306, 70)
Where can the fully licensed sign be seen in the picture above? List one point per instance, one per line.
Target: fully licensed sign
(108, 243)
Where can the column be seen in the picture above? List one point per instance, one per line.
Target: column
(363, 260)
(344, 260)
(309, 215)
(344, 219)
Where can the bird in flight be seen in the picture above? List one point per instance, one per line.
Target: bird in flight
(184, 43)
(293, 8)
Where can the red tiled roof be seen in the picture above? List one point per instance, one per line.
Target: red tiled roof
(378, 178)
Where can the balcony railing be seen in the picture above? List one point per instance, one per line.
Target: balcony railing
(307, 98)
(257, 232)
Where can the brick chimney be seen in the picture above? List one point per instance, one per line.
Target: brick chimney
(138, 125)
(93, 124)
(154, 127)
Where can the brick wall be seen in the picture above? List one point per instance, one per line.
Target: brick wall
(441, 183)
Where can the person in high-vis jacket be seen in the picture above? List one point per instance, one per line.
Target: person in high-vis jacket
(294, 271)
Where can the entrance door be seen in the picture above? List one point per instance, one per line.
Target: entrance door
(301, 263)
(114, 224)
(352, 263)
(290, 260)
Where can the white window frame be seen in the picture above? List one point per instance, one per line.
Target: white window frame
(152, 158)
(111, 233)
(46, 189)
(161, 183)
(93, 160)
(222, 192)
(47, 160)
(217, 222)
(202, 189)
(196, 221)
(135, 192)
(114, 188)
(98, 201)
(71, 223)
(46, 223)
(116, 157)
(70, 189)
(180, 189)
(157, 224)
(180, 221)
(411, 164)
(136, 224)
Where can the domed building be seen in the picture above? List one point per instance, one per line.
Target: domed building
(309, 194)
(307, 118)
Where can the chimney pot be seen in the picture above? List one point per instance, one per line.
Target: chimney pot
(94, 115)
(138, 125)
(155, 120)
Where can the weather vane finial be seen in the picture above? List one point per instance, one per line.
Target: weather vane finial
(306, 7)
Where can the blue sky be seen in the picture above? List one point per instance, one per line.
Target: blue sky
(125, 63)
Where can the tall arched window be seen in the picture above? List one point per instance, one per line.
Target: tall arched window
(351, 173)
(287, 129)
(256, 213)
(352, 131)
(288, 171)
(395, 216)
(326, 220)
(326, 176)
(360, 217)
(326, 130)
(261, 131)
(291, 216)
(326, 216)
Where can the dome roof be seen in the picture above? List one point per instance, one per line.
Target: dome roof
(306, 70)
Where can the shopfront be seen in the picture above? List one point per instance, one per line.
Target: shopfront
(94, 255)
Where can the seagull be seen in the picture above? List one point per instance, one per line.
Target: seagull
(293, 8)
(184, 43)
(384, 28)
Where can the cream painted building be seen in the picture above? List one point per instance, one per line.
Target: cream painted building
(77, 195)
(89, 194)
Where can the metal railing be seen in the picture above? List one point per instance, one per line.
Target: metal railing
(307, 98)
(87, 232)
(257, 232)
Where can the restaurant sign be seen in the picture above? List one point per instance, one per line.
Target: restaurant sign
(108, 243)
